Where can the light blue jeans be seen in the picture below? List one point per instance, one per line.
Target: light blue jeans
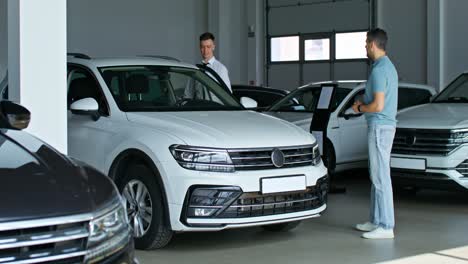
(380, 140)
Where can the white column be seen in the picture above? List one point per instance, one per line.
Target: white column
(435, 44)
(256, 42)
(37, 47)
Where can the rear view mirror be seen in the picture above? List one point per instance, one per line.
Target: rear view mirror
(86, 106)
(14, 116)
(248, 102)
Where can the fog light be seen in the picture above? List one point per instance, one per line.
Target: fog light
(207, 201)
(202, 212)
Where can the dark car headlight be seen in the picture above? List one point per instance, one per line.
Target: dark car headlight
(316, 158)
(202, 159)
(109, 233)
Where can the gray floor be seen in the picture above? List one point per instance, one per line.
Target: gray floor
(428, 222)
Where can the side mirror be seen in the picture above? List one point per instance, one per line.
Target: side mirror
(248, 102)
(86, 106)
(349, 114)
(14, 116)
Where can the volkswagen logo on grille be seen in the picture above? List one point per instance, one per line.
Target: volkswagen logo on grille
(410, 140)
(277, 157)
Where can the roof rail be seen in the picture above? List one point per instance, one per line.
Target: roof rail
(161, 57)
(79, 55)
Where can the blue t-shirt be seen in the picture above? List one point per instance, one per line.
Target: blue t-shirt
(383, 78)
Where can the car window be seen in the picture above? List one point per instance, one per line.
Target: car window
(82, 84)
(456, 92)
(14, 157)
(408, 97)
(263, 98)
(358, 96)
(162, 88)
(305, 100)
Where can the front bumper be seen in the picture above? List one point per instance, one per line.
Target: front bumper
(179, 182)
(431, 171)
(254, 208)
(124, 256)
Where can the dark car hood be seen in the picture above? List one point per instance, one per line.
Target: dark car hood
(55, 186)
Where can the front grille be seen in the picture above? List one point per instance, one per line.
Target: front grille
(261, 159)
(463, 168)
(61, 243)
(254, 204)
(425, 142)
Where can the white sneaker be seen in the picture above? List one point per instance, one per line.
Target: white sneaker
(366, 227)
(379, 233)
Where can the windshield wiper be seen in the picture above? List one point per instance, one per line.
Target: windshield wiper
(455, 99)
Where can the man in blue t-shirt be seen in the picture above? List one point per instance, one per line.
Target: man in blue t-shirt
(379, 107)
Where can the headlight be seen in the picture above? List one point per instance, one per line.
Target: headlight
(459, 136)
(315, 154)
(109, 234)
(202, 159)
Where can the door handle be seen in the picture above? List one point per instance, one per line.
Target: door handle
(335, 127)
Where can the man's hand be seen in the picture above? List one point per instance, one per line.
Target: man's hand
(356, 105)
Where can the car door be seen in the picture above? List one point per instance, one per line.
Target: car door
(353, 133)
(87, 138)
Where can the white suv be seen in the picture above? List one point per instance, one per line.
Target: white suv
(198, 163)
(431, 142)
(347, 131)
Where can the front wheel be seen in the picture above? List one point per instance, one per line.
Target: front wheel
(281, 227)
(144, 203)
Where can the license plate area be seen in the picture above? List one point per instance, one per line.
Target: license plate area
(283, 184)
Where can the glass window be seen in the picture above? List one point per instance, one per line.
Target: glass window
(263, 98)
(306, 99)
(284, 49)
(161, 88)
(351, 45)
(412, 96)
(81, 84)
(456, 92)
(317, 49)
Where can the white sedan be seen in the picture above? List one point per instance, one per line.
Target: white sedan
(347, 132)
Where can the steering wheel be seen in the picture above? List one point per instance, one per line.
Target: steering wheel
(183, 101)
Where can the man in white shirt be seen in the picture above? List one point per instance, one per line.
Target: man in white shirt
(207, 47)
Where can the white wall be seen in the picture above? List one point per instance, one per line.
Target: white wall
(137, 27)
(3, 38)
(455, 39)
(406, 25)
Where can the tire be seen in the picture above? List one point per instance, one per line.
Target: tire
(329, 158)
(146, 217)
(283, 227)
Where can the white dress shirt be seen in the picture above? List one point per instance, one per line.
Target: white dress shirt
(220, 69)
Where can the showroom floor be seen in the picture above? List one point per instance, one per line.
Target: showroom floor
(432, 227)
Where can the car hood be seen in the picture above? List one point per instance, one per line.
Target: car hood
(225, 129)
(434, 116)
(302, 120)
(53, 187)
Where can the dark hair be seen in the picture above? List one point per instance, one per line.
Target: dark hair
(207, 36)
(379, 37)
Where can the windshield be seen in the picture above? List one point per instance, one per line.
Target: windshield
(13, 157)
(163, 88)
(456, 92)
(305, 100)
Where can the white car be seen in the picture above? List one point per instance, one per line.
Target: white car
(431, 142)
(347, 131)
(203, 163)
